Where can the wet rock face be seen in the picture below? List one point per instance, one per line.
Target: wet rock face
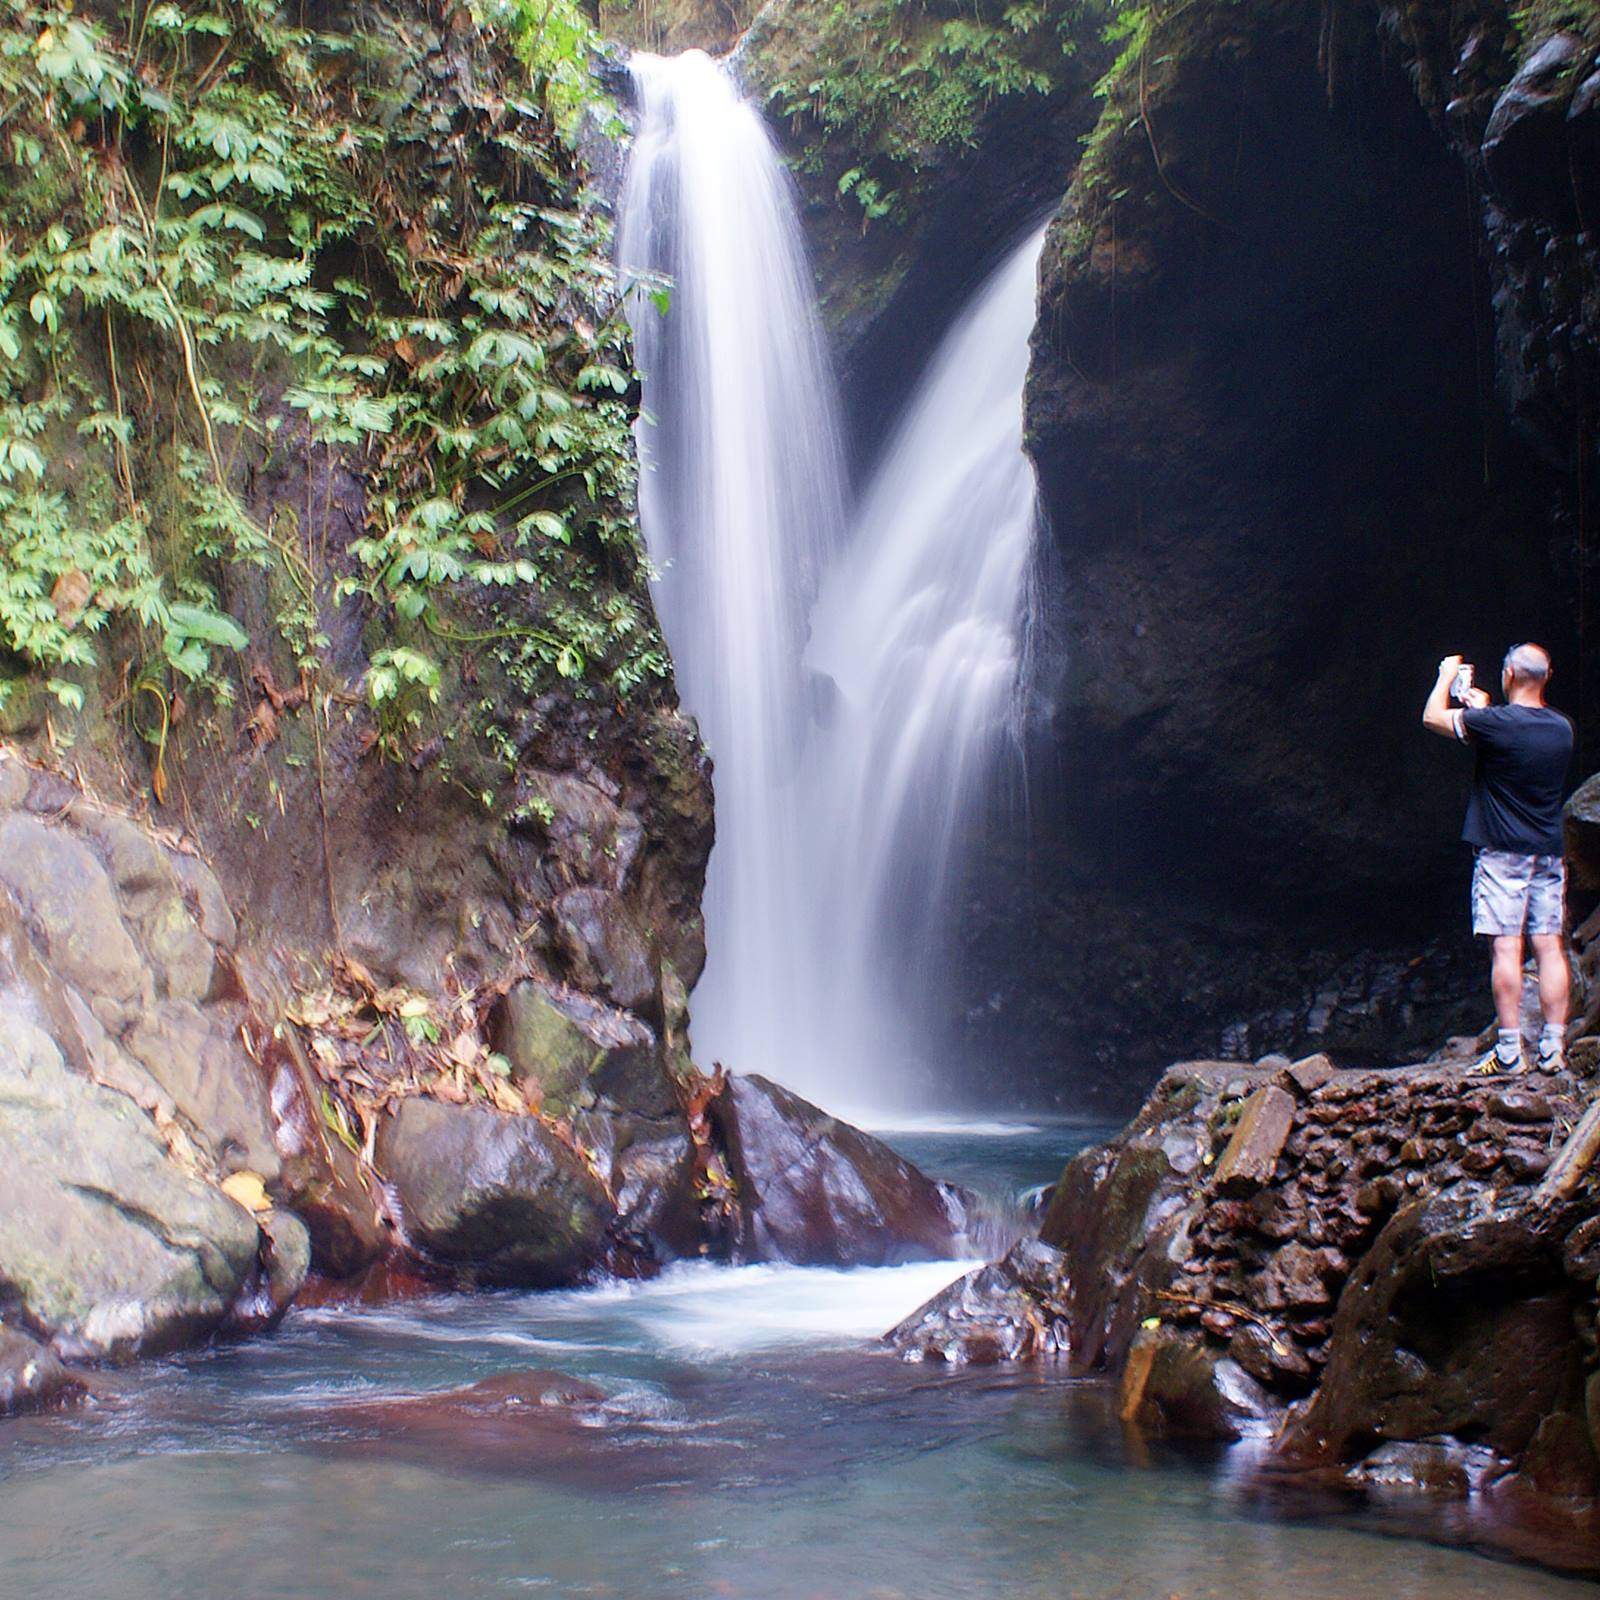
(1458, 1322)
(1345, 234)
(1526, 156)
(815, 1191)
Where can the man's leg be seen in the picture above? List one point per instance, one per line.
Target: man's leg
(1506, 977)
(1546, 918)
(1555, 981)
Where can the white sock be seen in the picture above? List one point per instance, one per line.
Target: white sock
(1552, 1037)
(1509, 1046)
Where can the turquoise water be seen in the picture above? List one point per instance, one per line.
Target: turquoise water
(748, 1438)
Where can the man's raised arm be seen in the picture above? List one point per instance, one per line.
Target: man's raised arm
(1437, 715)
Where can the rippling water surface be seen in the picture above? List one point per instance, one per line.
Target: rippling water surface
(746, 1438)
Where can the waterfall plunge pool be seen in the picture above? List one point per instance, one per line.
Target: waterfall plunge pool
(749, 1440)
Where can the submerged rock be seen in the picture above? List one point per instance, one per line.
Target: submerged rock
(1428, 1466)
(499, 1196)
(816, 1191)
(31, 1378)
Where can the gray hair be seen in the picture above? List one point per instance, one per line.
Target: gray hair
(1528, 663)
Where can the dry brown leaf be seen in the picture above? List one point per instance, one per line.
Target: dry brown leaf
(69, 595)
(247, 1189)
(263, 725)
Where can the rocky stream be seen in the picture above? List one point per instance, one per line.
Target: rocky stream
(656, 658)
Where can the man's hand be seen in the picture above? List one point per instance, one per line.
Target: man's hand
(1437, 717)
(1477, 698)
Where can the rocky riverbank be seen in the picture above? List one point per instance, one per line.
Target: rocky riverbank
(1357, 1268)
(189, 1138)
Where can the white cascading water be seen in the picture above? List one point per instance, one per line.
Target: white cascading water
(920, 628)
(847, 767)
(741, 497)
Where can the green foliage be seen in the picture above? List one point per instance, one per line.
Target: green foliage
(1535, 20)
(229, 242)
(906, 82)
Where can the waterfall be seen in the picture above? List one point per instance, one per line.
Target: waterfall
(741, 499)
(854, 692)
(920, 629)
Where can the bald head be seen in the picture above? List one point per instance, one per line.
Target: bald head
(1526, 671)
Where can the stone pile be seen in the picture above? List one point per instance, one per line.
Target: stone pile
(1358, 1266)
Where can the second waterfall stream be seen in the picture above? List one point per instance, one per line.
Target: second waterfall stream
(854, 677)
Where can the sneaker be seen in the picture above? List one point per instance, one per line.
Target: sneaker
(1552, 1061)
(1492, 1066)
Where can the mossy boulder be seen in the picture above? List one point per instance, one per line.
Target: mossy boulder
(574, 1050)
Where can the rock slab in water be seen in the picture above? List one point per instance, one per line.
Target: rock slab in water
(1010, 1310)
(818, 1192)
(501, 1196)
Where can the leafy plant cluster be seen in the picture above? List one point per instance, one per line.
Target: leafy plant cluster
(906, 81)
(228, 240)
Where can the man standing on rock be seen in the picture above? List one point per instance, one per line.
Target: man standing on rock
(1524, 751)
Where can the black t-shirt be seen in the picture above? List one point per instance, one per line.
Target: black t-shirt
(1521, 778)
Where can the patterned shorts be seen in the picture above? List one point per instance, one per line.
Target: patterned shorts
(1513, 893)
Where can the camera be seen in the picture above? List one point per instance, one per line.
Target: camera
(1461, 686)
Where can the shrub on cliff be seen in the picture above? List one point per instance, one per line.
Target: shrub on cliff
(234, 234)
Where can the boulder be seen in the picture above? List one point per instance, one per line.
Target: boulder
(1457, 1322)
(123, 944)
(596, 840)
(1010, 1310)
(815, 1191)
(1176, 1383)
(650, 1167)
(604, 948)
(107, 1244)
(31, 1378)
(73, 916)
(500, 1197)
